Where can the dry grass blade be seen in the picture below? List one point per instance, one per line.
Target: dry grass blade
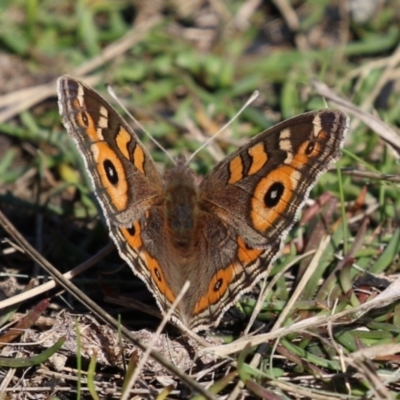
(389, 74)
(22, 101)
(370, 353)
(384, 131)
(131, 38)
(266, 289)
(305, 278)
(372, 175)
(24, 323)
(388, 296)
(52, 284)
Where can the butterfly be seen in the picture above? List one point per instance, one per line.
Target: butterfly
(221, 232)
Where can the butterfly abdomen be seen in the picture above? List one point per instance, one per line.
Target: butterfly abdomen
(181, 208)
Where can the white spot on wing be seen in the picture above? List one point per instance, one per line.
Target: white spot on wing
(103, 122)
(286, 145)
(285, 134)
(80, 96)
(317, 125)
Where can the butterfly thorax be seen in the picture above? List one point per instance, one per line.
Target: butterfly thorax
(181, 208)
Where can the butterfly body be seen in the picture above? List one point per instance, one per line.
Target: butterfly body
(222, 232)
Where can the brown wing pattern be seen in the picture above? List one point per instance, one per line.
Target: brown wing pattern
(111, 150)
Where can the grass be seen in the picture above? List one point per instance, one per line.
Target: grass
(184, 69)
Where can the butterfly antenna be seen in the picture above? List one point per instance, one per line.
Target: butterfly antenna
(155, 141)
(210, 139)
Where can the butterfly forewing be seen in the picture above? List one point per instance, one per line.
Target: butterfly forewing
(111, 150)
(272, 175)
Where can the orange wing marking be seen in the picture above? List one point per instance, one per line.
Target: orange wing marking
(158, 276)
(216, 289)
(235, 170)
(246, 254)
(259, 157)
(132, 235)
(122, 139)
(138, 158)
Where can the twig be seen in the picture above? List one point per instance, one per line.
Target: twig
(371, 175)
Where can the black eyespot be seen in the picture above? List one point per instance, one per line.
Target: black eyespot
(85, 119)
(111, 172)
(157, 273)
(218, 285)
(274, 194)
(131, 230)
(310, 148)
